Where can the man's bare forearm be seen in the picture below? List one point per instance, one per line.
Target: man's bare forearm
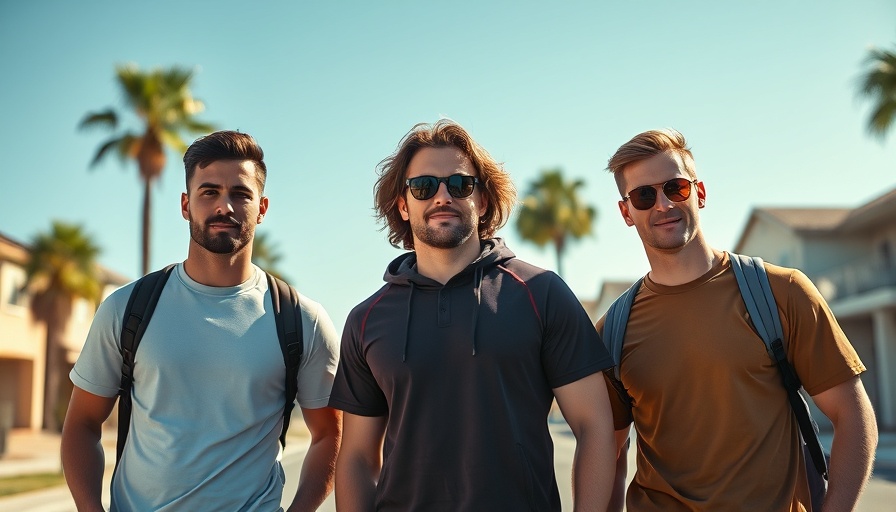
(317, 476)
(83, 464)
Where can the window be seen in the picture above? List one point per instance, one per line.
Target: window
(12, 279)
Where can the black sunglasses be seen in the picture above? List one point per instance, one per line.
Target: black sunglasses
(643, 198)
(424, 187)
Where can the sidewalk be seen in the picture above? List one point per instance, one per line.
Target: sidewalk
(30, 452)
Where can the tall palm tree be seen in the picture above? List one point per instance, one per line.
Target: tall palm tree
(162, 100)
(266, 255)
(553, 212)
(61, 268)
(878, 83)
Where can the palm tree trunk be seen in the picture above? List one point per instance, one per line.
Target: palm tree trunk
(147, 209)
(559, 246)
(52, 377)
(559, 250)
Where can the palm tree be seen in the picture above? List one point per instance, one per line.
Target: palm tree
(266, 255)
(61, 268)
(162, 100)
(553, 212)
(879, 84)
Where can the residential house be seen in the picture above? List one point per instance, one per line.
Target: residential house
(23, 341)
(850, 255)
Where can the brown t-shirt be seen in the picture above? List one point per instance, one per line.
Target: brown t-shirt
(714, 428)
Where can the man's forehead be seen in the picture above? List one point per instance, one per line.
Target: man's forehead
(444, 157)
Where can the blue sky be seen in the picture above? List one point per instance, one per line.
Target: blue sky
(764, 91)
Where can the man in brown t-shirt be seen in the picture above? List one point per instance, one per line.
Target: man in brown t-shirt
(715, 430)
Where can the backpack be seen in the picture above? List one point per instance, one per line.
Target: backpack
(139, 310)
(752, 280)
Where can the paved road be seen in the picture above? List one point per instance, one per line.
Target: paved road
(880, 496)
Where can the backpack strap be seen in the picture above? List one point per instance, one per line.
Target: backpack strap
(613, 334)
(137, 313)
(752, 279)
(289, 332)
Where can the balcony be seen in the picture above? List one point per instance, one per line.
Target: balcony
(855, 278)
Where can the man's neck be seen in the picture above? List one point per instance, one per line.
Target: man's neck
(683, 266)
(220, 270)
(443, 264)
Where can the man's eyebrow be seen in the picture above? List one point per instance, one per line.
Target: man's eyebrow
(209, 185)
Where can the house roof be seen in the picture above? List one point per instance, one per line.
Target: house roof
(825, 219)
(13, 250)
(807, 219)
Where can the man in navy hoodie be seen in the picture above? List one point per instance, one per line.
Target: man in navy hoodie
(447, 372)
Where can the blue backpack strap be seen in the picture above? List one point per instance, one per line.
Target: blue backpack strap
(288, 318)
(752, 279)
(613, 334)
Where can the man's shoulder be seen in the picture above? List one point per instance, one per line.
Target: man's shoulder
(367, 303)
(525, 270)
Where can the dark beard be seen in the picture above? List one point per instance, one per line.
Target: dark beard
(222, 243)
(443, 237)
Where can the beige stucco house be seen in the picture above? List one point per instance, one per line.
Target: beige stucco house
(22, 341)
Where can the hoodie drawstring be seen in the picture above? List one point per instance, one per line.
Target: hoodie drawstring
(407, 325)
(477, 286)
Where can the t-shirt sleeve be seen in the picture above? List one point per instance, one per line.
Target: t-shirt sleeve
(98, 369)
(816, 345)
(571, 348)
(355, 390)
(319, 358)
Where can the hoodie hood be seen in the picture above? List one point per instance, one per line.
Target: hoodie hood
(403, 272)
(403, 269)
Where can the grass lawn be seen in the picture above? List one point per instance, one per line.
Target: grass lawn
(24, 483)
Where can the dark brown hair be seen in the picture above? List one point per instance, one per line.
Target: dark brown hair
(225, 145)
(494, 183)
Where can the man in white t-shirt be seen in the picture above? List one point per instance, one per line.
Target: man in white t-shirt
(209, 384)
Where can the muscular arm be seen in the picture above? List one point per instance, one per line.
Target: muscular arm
(855, 440)
(359, 463)
(83, 461)
(617, 500)
(586, 407)
(318, 469)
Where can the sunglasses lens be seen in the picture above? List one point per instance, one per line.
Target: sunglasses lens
(460, 186)
(423, 187)
(677, 190)
(643, 198)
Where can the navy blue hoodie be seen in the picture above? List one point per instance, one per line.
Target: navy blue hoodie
(464, 373)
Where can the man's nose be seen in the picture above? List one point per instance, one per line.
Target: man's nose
(442, 194)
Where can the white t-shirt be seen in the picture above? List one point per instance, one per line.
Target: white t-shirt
(208, 393)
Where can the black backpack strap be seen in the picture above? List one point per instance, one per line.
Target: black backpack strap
(752, 280)
(289, 332)
(613, 335)
(140, 307)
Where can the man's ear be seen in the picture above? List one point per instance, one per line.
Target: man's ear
(623, 209)
(402, 206)
(701, 195)
(262, 209)
(185, 206)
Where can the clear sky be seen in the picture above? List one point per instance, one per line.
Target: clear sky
(764, 91)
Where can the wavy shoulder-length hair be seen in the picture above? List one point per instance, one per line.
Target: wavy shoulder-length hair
(494, 184)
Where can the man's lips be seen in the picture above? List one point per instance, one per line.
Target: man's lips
(667, 222)
(222, 223)
(442, 214)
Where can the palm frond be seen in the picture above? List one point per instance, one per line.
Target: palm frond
(107, 119)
